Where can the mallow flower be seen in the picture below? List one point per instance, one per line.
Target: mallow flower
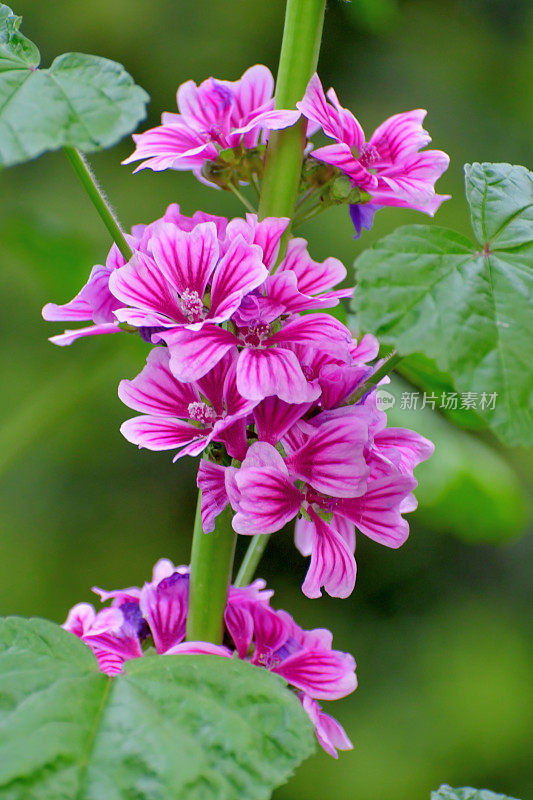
(155, 615)
(214, 116)
(390, 166)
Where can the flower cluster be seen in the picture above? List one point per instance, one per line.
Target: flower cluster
(247, 369)
(155, 616)
(269, 394)
(220, 124)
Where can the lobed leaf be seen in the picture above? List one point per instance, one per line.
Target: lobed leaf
(430, 290)
(204, 727)
(81, 101)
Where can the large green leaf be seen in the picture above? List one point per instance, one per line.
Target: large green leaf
(467, 793)
(81, 101)
(467, 306)
(198, 727)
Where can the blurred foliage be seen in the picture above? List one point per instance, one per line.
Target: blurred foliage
(440, 628)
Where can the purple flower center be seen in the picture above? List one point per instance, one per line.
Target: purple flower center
(369, 154)
(192, 305)
(254, 335)
(201, 412)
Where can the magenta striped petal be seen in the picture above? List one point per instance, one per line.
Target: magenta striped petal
(322, 674)
(253, 90)
(268, 500)
(186, 258)
(340, 156)
(267, 235)
(377, 513)
(211, 482)
(352, 132)
(273, 418)
(240, 624)
(156, 391)
(194, 353)
(332, 564)
(239, 271)
(163, 433)
(403, 447)
(142, 285)
(312, 276)
(271, 631)
(400, 136)
(68, 337)
(321, 330)
(164, 606)
(332, 459)
(261, 373)
(269, 121)
(330, 734)
(199, 649)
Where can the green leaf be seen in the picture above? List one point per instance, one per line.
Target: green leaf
(466, 488)
(467, 793)
(81, 101)
(167, 727)
(430, 290)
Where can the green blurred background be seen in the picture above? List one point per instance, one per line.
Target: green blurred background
(440, 629)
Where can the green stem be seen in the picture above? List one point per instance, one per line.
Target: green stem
(385, 369)
(298, 61)
(97, 197)
(256, 548)
(211, 567)
(244, 200)
(212, 554)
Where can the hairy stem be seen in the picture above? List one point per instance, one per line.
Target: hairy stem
(298, 61)
(211, 567)
(97, 197)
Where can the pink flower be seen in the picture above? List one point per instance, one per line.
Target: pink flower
(167, 289)
(95, 302)
(261, 635)
(212, 117)
(185, 416)
(330, 734)
(340, 472)
(389, 165)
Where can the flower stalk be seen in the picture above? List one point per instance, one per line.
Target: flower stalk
(212, 554)
(97, 198)
(211, 567)
(302, 35)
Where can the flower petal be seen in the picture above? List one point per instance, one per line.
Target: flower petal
(186, 258)
(332, 563)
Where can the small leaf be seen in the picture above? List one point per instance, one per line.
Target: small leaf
(81, 101)
(467, 793)
(430, 290)
(169, 726)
